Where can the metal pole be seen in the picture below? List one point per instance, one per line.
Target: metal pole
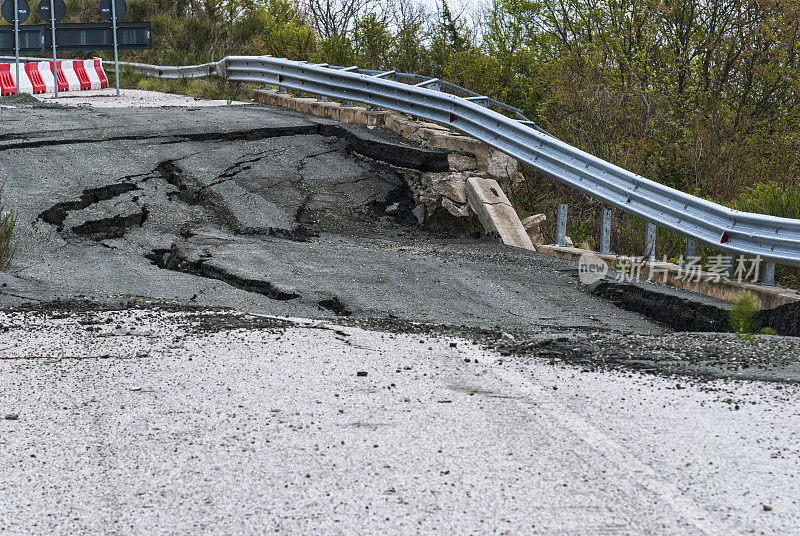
(561, 226)
(53, 30)
(114, 27)
(691, 249)
(16, 39)
(605, 233)
(769, 274)
(650, 243)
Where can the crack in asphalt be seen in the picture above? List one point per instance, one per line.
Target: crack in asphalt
(303, 162)
(243, 135)
(57, 214)
(241, 165)
(114, 227)
(174, 260)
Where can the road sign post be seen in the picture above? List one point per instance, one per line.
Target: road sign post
(16, 12)
(55, 63)
(112, 10)
(116, 53)
(16, 41)
(54, 11)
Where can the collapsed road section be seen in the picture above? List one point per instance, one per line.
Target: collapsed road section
(272, 211)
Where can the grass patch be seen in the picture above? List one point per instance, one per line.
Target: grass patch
(8, 221)
(742, 314)
(210, 87)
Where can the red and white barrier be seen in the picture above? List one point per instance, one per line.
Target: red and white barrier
(69, 73)
(32, 70)
(7, 85)
(91, 73)
(47, 76)
(101, 74)
(40, 77)
(23, 85)
(63, 85)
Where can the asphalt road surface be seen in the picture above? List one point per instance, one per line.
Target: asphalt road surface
(159, 422)
(197, 289)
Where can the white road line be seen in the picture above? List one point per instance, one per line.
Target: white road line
(615, 453)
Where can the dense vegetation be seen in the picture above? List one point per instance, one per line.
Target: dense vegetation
(698, 94)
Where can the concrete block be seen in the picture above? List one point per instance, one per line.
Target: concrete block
(496, 213)
(499, 164)
(532, 225)
(457, 210)
(462, 162)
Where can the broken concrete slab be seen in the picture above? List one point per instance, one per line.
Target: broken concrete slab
(532, 225)
(496, 213)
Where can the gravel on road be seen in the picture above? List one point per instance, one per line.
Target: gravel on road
(157, 421)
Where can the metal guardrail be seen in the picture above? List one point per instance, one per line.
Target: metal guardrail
(771, 238)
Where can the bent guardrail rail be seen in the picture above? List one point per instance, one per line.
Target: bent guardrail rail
(771, 238)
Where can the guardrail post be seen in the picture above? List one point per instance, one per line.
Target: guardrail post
(769, 274)
(605, 233)
(650, 243)
(347, 104)
(691, 249)
(323, 98)
(561, 226)
(282, 89)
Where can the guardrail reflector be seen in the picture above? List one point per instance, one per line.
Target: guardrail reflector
(725, 237)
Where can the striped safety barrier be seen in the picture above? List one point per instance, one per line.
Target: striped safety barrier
(23, 85)
(40, 77)
(45, 71)
(74, 83)
(7, 85)
(32, 70)
(101, 74)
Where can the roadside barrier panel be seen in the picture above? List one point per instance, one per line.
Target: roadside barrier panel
(7, 85)
(47, 76)
(80, 72)
(70, 76)
(101, 74)
(91, 73)
(32, 70)
(23, 85)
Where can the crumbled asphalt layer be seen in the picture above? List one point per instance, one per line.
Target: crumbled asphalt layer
(702, 356)
(24, 100)
(697, 356)
(678, 309)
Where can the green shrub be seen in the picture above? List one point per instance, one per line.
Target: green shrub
(771, 198)
(7, 247)
(768, 331)
(742, 314)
